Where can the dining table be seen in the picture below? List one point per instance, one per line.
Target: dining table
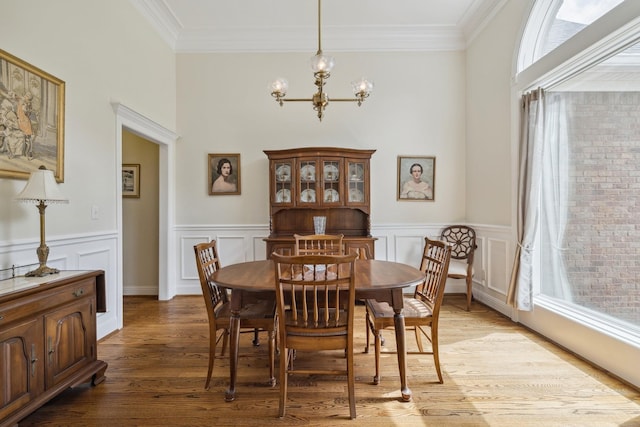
(381, 280)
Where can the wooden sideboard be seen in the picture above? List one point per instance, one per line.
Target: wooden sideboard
(319, 181)
(47, 338)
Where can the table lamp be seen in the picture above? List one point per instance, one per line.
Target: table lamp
(42, 189)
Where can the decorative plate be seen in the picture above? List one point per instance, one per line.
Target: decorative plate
(356, 172)
(331, 195)
(283, 196)
(356, 195)
(283, 173)
(330, 173)
(308, 196)
(308, 173)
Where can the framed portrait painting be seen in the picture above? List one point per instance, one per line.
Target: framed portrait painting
(131, 181)
(223, 177)
(416, 178)
(31, 119)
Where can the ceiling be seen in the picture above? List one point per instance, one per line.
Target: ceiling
(292, 25)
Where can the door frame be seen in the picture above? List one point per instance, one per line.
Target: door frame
(134, 122)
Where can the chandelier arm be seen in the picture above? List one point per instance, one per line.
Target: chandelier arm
(297, 100)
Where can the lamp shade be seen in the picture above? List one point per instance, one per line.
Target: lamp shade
(363, 86)
(280, 86)
(42, 186)
(322, 63)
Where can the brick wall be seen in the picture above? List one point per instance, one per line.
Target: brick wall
(602, 239)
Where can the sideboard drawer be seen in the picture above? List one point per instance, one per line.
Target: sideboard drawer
(45, 300)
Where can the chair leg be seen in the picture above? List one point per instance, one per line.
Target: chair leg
(284, 362)
(469, 292)
(213, 340)
(272, 358)
(256, 337)
(418, 332)
(366, 321)
(225, 342)
(377, 339)
(351, 383)
(436, 355)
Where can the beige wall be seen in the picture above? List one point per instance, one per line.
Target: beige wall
(490, 103)
(140, 219)
(105, 52)
(224, 106)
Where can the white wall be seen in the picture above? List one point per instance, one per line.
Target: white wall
(224, 106)
(489, 151)
(104, 51)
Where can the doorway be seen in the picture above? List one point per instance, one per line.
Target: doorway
(140, 226)
(128, 120)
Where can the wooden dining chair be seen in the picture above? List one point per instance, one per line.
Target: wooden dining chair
(421, 311)
(319, 244)
(463, 241)
(256, 316)
(315, 297)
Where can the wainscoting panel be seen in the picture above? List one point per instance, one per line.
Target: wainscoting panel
(479, 271)
(188, 268)
(498, 267)
(259, 248)
(85, 252)
(408, 249)
(381, 245)
(233, 249)
(395, 242)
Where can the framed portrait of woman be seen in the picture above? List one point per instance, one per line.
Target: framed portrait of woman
(223, 176)
(416, 178)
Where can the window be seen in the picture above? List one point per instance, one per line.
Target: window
(552, 22)
(590, 202)
(589, 236)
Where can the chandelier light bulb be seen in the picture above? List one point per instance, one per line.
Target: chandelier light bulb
(280, 86)
(362, 86)
(322, 63)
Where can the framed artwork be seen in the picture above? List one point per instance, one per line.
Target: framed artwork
(223, 177)
(31, 119)
(416, 178)
(131, 181)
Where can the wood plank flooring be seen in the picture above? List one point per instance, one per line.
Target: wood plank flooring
(495, 374)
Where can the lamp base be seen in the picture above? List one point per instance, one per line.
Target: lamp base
(41, 271)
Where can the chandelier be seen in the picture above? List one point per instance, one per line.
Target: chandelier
(321, 65)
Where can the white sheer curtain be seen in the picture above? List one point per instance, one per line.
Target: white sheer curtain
(520, 293)
(554, 196)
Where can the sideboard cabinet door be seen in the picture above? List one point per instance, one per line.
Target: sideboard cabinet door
(21, 365)
(70, 339)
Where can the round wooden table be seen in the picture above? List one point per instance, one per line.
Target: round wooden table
(375, 279)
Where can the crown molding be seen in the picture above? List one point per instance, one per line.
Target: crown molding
(380, 38)
(334, 39)
(161, 18)
(478, 17)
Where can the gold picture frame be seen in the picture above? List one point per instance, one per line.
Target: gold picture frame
(131, 180)
(416, 178)
(223, 177)
(31, 119)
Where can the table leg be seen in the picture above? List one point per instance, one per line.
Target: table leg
(234, 343)
(398, 319)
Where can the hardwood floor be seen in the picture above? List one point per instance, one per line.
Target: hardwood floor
(495, 374)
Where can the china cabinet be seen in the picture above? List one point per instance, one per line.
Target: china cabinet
(319, 181)
(47, 338)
